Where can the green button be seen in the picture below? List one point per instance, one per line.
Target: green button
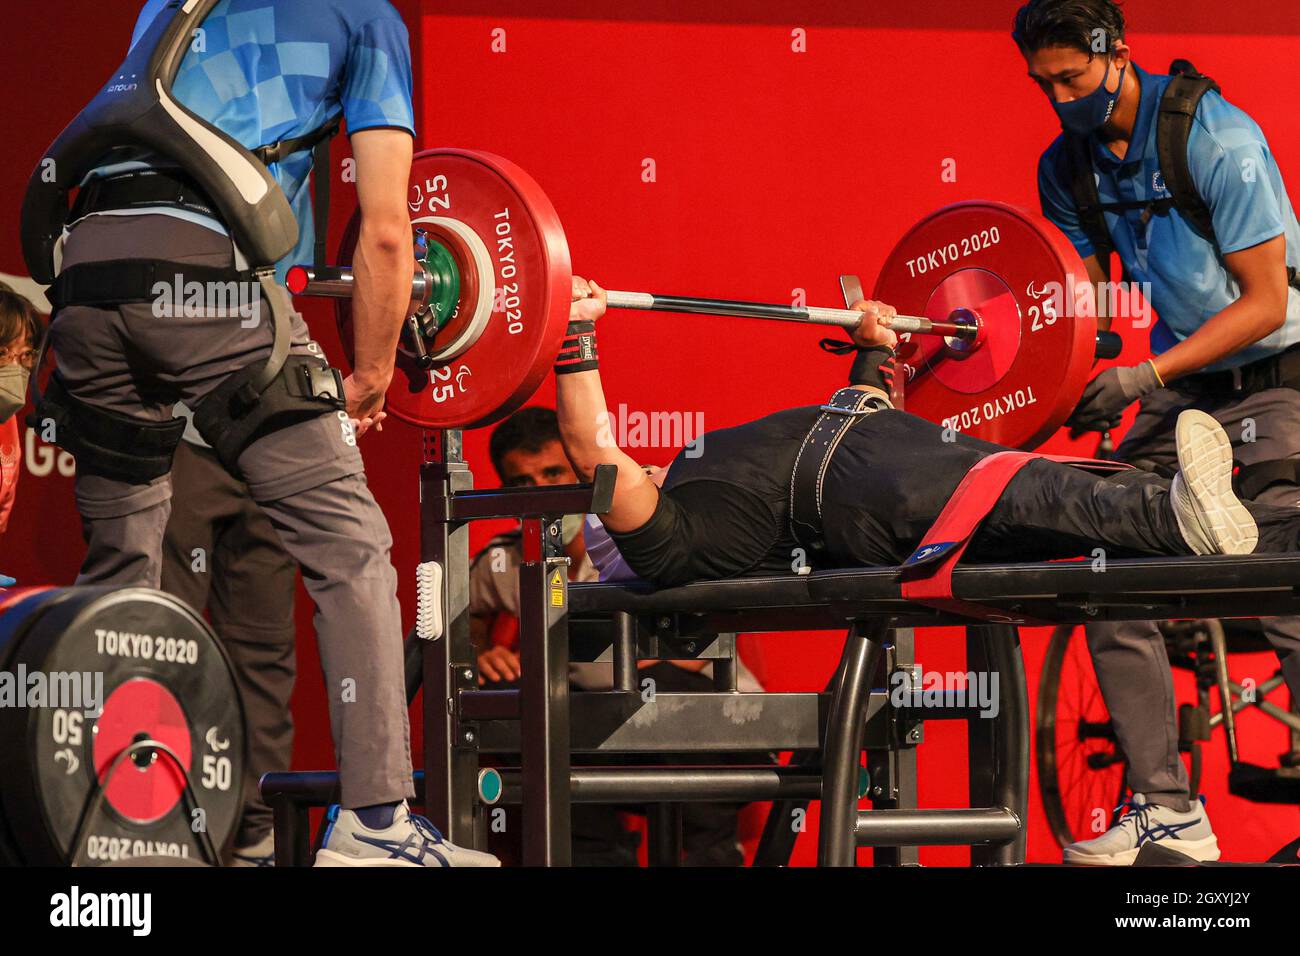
(489, 786)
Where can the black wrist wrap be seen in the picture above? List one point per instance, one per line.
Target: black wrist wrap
(874, 366)
(578, 353)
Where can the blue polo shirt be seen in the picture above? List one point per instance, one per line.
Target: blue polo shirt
(1237, 177)
(270, 70)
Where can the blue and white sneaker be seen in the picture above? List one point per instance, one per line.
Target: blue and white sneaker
(410, 841)
(1142, 823)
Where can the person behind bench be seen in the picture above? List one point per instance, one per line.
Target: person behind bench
(1202, 223)
(526, 452)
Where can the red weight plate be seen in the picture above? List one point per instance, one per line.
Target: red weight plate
(516, 234)
(1020, 275)
(988, 297)
(146, 790)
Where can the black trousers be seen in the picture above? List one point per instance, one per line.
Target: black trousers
(220, 553)
(1048, 511)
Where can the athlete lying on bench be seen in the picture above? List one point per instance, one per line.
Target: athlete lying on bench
(727, 511)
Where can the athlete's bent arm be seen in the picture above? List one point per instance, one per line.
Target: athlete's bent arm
(584, 417)
(585, 429)
(383, 268)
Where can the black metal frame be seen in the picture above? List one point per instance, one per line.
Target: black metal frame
(546, 726)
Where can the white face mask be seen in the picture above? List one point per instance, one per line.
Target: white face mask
(604, 552)
(13, 390)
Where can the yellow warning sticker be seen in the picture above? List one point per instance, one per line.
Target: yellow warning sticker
(557, 589)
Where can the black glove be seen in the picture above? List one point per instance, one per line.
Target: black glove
(1104, 400)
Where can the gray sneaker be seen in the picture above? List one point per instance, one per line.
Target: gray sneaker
(1142, 823)
(410, 841)
(1210, 516)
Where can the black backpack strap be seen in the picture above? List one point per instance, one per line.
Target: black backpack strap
(318, 141)
(1087, 201)
(279, 152)
(1173, 129)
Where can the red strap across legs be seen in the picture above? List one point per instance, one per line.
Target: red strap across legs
(927, 574)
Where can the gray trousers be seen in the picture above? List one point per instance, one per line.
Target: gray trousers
(1129, 657)
(308, 479)
(222, 554)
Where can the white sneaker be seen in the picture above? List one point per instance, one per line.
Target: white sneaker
(410, 841)
(1189, 833)
(1210, 516)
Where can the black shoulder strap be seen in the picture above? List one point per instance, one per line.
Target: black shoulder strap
(1087, 201)
(318, 141)
(1173, 129)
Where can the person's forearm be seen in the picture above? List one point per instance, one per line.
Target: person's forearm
(383, 273)
(1245, 322)
(583, 418)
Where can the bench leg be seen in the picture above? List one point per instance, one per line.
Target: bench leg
(664, 834)
(837, 843)
(998, 747)
(292, 825)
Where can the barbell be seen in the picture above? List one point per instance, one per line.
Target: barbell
(994, 339)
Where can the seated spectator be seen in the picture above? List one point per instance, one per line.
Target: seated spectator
(525, 450)
(20, 339)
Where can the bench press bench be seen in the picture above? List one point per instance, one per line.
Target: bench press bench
(547, 726)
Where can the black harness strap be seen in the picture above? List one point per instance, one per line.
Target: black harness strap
(306, 388)
(319, 141)
(105, 443)
(1087, 201)
(845, 409)
(121, 281)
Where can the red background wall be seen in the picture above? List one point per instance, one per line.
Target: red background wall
(775, 171)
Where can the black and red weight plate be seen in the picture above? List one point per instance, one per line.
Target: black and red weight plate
(1028, 287)
(156, 672)
(515, 274)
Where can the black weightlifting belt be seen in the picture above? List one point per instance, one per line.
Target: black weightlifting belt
(845, 409)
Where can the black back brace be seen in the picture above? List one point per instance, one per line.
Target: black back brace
(220, 178)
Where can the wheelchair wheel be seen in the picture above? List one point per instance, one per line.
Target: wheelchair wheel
(1080, 766)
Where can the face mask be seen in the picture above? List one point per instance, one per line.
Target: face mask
(13, 390)
(604, 552)
(1088, 113)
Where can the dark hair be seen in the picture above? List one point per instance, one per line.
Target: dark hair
(1068, 23)
(18, 317)
(529, 429)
